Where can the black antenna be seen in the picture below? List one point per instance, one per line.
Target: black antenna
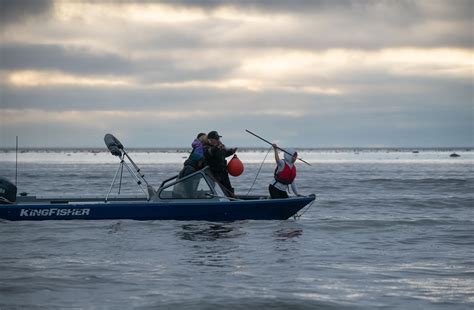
(16, 163)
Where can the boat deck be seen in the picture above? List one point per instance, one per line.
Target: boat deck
(45, 200)
(33, 200)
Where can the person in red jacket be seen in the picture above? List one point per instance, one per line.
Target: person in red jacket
(285, 174)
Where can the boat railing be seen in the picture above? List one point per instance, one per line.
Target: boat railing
(167, 180)
(203, 170)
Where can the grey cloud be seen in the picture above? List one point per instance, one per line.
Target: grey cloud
(265, 6)
(330, 24)
(320, 25)
(357, 128)
(82, 61)
(404, 10)
(76, 60)
(167, 73)
(457, 9)
(371, 95)
(355, 24)
(315, 25)
(82, 99)
(13, 11)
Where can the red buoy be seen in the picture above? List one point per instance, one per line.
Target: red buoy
(235, 166)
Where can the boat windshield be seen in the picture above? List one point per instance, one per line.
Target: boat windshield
(192, 187)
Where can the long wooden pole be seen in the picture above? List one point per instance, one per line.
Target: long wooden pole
(255, 135)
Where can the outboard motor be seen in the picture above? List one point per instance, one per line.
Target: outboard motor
(7, 191)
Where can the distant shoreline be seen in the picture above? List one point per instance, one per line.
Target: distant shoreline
(241, 149)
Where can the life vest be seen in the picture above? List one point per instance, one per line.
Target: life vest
(287, 175)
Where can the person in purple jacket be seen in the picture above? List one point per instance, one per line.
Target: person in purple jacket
(198, 144)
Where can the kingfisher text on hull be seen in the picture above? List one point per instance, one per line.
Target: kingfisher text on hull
(54, 212)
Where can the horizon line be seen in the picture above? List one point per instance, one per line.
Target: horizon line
(26, 148)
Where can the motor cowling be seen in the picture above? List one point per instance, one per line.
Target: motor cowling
(235, 166)
(7, 191)
(113, 144)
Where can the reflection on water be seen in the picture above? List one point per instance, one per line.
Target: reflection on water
(114, 228)
(285, 234)
(209, 231)
(213, 243)
(287, 243)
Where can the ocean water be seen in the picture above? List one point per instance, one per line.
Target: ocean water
(390, 229)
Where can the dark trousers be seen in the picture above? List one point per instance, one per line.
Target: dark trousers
(275, 193)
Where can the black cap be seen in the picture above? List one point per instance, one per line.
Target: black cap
(213, 135)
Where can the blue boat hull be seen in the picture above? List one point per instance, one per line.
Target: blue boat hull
(265, 209)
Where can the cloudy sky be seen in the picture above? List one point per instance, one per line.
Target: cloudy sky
(303, 73)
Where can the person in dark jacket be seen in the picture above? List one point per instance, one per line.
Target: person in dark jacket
(194, 163)
(215, 154)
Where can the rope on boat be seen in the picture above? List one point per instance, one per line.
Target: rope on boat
(258, 172)
(223, 197)
(298, 216)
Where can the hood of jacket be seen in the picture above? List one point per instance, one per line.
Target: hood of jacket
(288, 157)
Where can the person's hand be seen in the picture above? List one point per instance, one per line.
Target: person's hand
(234, 150)
(274, 145)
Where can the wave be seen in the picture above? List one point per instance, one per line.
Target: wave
(338, 224)
(302, 301)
